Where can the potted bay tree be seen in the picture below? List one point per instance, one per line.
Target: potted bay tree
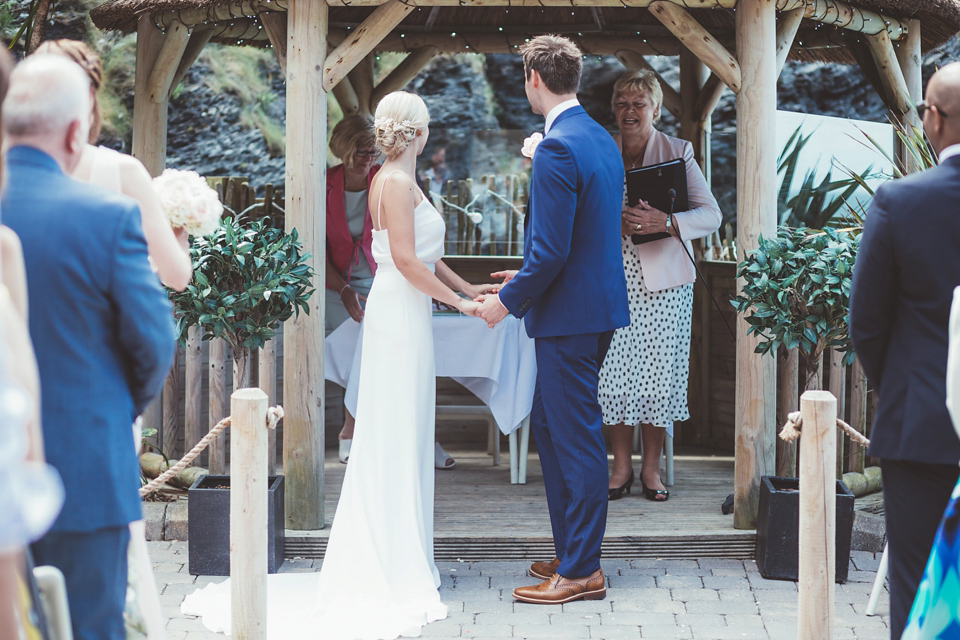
(248, 279)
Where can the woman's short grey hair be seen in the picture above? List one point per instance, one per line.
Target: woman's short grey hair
(47, 93)
(639, 81)
(350, 135)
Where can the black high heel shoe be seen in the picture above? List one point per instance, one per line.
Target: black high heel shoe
(654, 495)
(617, 492)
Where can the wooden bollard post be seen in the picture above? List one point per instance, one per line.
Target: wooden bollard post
(248, 514)
(818, 514)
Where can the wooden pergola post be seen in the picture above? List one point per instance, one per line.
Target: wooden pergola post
(303, 377)
(910, 58)
(149, 116)
(756, 214)
(693, 75)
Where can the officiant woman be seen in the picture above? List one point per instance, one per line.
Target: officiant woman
(644, 376)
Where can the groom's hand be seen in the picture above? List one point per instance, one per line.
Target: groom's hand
(491, 309)
(507, 275)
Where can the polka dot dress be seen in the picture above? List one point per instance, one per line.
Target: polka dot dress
(644, 375)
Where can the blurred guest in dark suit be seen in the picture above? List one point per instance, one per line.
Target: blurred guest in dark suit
(907, 268)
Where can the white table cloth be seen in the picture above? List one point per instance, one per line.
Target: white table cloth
(498, 365)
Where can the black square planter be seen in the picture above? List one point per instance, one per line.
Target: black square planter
(208, 525)
(778, 529)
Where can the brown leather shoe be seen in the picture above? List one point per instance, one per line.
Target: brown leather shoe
(544, 570)
(558, 590)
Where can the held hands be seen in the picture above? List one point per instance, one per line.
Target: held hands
(468, 307)
(643, 219)
(474, 291)
(491, 309)
(351, 301)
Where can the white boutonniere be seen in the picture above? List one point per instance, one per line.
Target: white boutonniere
(530, 144)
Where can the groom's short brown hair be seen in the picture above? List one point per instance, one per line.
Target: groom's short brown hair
(556, 59)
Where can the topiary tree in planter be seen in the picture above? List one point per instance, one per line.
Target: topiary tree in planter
(247, 280)
(797, 291)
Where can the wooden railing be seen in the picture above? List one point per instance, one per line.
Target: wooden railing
(484, 217)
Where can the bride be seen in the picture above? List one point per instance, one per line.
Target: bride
(379, 579)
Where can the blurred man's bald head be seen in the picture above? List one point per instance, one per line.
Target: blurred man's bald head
(941, 121)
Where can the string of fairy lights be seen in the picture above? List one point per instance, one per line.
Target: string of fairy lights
(238, 22)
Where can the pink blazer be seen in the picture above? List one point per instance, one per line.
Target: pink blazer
(664, 262)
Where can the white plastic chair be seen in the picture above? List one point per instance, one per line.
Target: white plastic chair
(53, 598)
(878, 584)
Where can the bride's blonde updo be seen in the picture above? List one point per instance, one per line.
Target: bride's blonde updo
(400, 115)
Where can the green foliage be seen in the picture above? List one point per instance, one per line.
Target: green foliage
(8, 19)
(815, 205)
(797, 288)
(242, 72)
(119, 56)
(246, 281)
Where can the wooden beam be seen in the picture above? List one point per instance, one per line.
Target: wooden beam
(149, 117)
(363, 40)
(510, 43)
(346, 97)
(709, 97)
(786, 34)
(361, 77)
(841, 14)
(168, 59)
(693, 74)
(303, 379)
(198, 40)
(671, 97)
(275, 24)
(756, 395)
(909, 57)
(693, 36)
(881, 49)
(402, 74)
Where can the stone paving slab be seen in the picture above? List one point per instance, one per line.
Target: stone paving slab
(708, 599)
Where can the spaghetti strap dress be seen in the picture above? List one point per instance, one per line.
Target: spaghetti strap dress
(379, 580)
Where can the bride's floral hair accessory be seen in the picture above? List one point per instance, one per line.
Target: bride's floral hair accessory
(530, 144)
(393, 136)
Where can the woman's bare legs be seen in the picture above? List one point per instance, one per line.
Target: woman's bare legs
(621, 442)
(653, 439)
(346, 432)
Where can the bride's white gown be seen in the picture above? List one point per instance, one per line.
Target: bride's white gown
(379, 579)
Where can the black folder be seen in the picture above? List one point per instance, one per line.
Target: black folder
(652, 184)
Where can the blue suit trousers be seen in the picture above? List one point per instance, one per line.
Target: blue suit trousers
(94, 564)
(568, 427)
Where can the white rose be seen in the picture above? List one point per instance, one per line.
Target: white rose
(530, 144)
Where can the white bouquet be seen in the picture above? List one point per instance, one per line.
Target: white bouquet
(188, 201)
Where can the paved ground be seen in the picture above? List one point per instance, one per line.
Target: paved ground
(709, 599)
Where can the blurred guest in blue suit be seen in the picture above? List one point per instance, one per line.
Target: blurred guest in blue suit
(102, 329)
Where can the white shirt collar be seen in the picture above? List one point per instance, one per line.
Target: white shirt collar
(556, 111)
(949, 152)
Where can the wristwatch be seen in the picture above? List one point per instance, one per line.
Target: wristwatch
(669, 222)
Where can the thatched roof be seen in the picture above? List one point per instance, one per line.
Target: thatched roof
(234, 22)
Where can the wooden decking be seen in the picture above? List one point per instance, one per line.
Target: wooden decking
(480, 515)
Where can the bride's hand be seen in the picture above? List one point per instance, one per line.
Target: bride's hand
(468, 307)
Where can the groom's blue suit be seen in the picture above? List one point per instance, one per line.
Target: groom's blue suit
(102, 329)
(573, 294)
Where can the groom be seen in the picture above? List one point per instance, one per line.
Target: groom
(573, 294)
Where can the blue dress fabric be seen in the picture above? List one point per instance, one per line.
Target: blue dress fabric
(935, 614)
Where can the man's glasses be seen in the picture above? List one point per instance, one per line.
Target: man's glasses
(923, 106)
(367, 153)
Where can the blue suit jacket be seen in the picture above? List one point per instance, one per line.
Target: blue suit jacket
(907, 267)
(572, 280)
(102, 328)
